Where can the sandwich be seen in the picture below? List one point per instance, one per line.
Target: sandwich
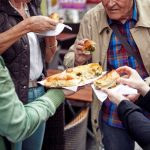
(89, 46)
(55, 16)
(108, 80)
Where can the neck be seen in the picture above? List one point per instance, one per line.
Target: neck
(17, 5)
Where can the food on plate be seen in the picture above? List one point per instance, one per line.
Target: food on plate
(74, 76)
(108, 80)
(62, 80)
(54, 16)
(86, 72)
(89, 46)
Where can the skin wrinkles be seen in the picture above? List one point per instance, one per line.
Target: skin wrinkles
(119, 10)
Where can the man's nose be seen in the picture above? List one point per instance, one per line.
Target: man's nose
(111, 3)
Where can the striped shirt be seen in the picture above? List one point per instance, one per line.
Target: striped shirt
(117, 56)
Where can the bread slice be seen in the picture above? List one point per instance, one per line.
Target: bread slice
(108, 80)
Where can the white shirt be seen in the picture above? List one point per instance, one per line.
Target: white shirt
(36, 64)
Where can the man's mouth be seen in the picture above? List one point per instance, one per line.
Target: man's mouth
(113, 10)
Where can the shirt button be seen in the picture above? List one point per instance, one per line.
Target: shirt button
(26, 66)
(24, 87)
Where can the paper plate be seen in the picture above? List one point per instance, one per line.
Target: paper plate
(59, 28)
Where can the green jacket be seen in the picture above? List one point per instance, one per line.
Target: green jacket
(18, 121)
(94, 26)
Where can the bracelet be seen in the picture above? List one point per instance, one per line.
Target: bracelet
(53, 46)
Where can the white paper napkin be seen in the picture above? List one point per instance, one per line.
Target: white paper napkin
(122, 89)
(59, 28)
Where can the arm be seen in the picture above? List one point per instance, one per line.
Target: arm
(144, 102)
(72, 58)
(31, 24)
(137, 125)
(51, 47)
(19, 121)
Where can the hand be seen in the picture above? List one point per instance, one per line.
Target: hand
(114, 96)
(134, 80)
(40, 23)
(133, 97)
(67, 92)
(80, 57)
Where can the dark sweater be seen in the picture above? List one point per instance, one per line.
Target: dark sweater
(134, 120)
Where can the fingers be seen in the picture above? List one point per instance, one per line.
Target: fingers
(133, 97)
(105, 90)
(125, 69)
(41, 23)
(125, 81)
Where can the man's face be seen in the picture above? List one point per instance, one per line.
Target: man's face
(118, 9)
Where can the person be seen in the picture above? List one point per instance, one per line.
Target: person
(19, 121)
(131, 18)
(26, 58)
(132, 115)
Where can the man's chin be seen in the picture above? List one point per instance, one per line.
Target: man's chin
(114, 17)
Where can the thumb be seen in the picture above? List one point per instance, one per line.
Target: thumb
(105, 90)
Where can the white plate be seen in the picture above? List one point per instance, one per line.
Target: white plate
(59, 28)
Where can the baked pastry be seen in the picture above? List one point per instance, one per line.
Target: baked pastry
(62, 80)
(108, 80)
(89, 46)
(74, 76)
(86, 72)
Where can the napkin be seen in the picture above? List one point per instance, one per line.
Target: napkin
(122, 89)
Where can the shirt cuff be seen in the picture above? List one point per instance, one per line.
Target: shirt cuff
(56, 96)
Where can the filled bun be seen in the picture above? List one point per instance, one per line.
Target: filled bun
(54, 16)
(89, 46)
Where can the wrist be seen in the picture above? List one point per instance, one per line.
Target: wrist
(144, 89)
(53, 45)
(120, 99)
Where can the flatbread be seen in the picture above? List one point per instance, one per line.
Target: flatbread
(62, 80)
(108, 80)
(86, 72)
(74, 76)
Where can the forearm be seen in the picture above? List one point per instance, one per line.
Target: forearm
(137, 125)
(10, 36)
(51, 47)
(69, 58)
(144, 102)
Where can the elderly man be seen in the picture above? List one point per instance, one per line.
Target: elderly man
(131, 18)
